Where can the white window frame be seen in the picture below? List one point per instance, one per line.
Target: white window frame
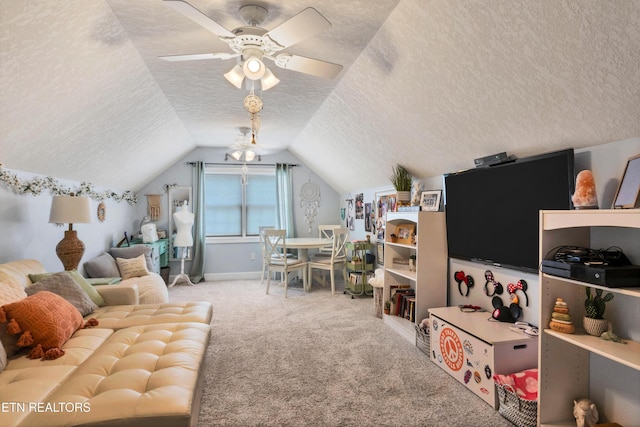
(254, 170)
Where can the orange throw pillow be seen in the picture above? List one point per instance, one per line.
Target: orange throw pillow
(43, 321)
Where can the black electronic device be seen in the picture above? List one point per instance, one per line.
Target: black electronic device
(492, 213)
(606, 267)
(611, 276)
(494, 159)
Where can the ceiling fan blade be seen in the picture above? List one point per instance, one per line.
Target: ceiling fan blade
(305, 24)
(198, 17)
(197, 56)
(314, 67)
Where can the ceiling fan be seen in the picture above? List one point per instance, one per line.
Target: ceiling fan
(252, 43)
(246, 148)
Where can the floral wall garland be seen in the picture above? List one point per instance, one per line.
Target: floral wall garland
(39, 185)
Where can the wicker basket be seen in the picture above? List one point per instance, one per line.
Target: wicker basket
(423, 340)
(522, 413)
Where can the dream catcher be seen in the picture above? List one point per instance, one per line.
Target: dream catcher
(310, 201)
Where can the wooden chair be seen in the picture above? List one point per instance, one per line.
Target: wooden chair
(337, 259)
(278, 261)
(263, 250)
(326, 232)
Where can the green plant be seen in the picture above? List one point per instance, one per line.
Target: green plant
(595, 304)
(387, 305)
(401, 179)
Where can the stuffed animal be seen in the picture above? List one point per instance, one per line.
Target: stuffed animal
(585, 196)
(585, 413)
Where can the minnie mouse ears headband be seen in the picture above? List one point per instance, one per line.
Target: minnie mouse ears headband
(496, 287)
(520, 286)
(461, 278)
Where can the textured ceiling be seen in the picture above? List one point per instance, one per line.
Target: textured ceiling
(427, 84)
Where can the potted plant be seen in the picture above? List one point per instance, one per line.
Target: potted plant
(387, 307)
(594, 322)
(402, 180)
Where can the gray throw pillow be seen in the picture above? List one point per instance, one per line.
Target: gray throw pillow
(77, 277)
(133, 252)
(102, 266)
(62, 284)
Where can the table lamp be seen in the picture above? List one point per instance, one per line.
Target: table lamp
(69, 210)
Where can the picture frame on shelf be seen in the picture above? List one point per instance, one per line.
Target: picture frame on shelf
(406, 233)
(430, 200)
(628, 193)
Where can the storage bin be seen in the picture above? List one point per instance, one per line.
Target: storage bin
(521, 412)
(423, 340)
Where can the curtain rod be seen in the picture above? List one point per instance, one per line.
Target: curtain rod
(240, 164)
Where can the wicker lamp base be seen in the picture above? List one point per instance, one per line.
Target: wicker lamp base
(70, 250)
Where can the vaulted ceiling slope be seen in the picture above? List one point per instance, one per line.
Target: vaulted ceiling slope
(430, 85)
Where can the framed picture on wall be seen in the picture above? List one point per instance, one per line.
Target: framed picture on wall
(628, 194)
(384, 202)
(430, 200)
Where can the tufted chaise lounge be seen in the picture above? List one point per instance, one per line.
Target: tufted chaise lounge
(142, 365)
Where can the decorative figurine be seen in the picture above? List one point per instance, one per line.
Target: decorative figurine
(585, 413)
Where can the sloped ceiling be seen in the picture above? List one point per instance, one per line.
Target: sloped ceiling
(430, 85)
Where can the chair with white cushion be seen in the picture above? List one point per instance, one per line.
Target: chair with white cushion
(277, 259)
(337, 259)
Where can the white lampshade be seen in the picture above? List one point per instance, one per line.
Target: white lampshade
(269, 80)
(249, 155)
(70, 210)
(235, 76)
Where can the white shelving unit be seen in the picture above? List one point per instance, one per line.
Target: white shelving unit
(430, 278)
(565, 359)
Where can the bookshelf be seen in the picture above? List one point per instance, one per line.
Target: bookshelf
(429, 280)
(578, 365)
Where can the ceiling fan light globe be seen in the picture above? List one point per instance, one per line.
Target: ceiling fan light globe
(249, 155)
(236, 155)
(253, 68)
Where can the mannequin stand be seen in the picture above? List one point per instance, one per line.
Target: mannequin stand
(182, 274)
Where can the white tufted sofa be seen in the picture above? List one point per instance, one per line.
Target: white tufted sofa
(142, 365)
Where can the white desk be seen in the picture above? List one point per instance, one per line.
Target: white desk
(303, 244)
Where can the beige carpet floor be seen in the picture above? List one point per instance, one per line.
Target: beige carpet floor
(316, 359)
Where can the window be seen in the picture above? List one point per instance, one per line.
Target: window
(237, 210)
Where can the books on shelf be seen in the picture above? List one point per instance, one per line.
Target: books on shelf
(403, 301)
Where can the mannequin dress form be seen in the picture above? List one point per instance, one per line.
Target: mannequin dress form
(184, 239)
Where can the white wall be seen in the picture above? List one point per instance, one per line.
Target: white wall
(233, 260)
(24, 221)
(606, 161)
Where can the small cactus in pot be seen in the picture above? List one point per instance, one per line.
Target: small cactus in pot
(595, 304)
(594, 322)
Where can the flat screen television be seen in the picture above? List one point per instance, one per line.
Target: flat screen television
(492, 212)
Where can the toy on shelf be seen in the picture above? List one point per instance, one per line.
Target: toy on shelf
(560, 318)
